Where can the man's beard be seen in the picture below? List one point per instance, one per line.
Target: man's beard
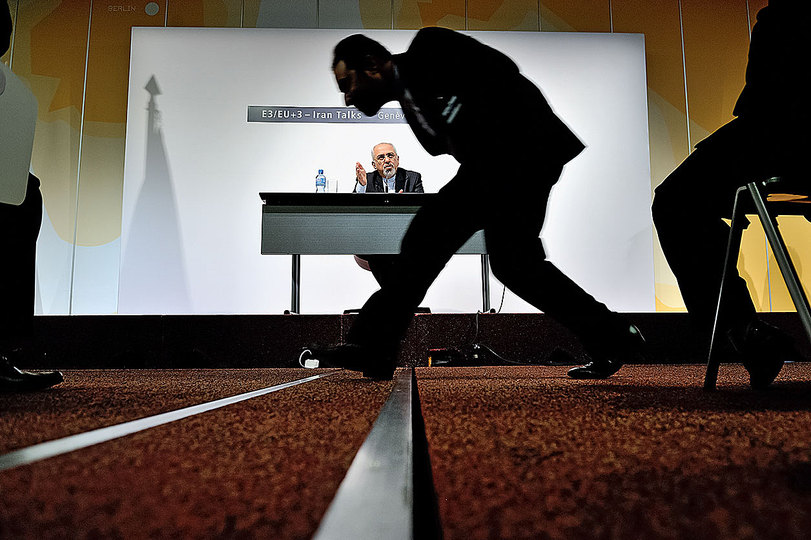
(389, 173)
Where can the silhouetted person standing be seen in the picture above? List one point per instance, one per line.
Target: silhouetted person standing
(769, 137)
(19, 228)
(466, 99)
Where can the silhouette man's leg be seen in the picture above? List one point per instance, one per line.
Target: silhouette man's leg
(688, 211)
(519, 261)
(381, 267)
(437, 231)
(19, 228)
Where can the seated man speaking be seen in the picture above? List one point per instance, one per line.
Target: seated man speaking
(387, 177)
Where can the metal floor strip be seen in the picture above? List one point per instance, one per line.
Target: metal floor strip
(376, 498)
(49, 449)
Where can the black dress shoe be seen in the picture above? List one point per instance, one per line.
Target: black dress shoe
(17, 380)
(373, 363)
(601, 368)
(605, 364)
(763, 349)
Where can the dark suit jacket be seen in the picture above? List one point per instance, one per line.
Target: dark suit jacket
(408, 181)
(772, 112)
(463, 98)
(776, 90)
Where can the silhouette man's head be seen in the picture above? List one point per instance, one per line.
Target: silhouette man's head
(363, 70)
(359, 52)
(5, 28)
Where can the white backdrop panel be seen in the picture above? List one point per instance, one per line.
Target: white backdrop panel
(194, 167)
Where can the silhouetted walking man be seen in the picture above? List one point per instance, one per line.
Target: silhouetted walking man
(450, 88)
(769, 137)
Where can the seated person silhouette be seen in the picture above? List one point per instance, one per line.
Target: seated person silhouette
(20, 219)
(768, 137)
(387, 176)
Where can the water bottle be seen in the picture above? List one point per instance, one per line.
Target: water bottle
(320, 182)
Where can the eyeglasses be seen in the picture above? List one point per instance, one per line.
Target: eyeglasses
(382, 157)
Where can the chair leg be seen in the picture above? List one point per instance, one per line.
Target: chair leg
(730, 266)
(784, 262)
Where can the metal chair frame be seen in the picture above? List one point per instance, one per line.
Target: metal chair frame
(767, 209)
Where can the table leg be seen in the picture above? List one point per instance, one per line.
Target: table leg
(295, 294)
(485, 283)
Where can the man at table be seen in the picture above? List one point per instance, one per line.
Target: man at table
(449, 85)
(387, 177)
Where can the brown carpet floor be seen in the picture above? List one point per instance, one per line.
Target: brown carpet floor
(96, 398)
(527, 453)
(517, 452)
(267, 467)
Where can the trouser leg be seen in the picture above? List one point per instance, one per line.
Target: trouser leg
(437, 231)
(381, 267)
(688, 211)
(519, 261)
(19, 228)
